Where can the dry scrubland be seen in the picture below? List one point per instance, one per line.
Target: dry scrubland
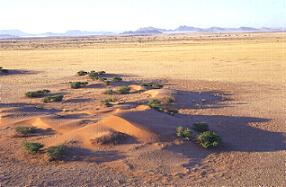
(234, 82)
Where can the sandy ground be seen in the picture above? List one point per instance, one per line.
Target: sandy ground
(235, 82)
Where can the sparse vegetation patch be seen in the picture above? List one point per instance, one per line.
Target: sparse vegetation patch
(77, 85)
(37, 94)
(82, 73)
(109, 102)
(209, 139)
(123, 90)
(55, 152)
(53, 98)
(152, 85)
(32, 147)
(184, 132)
(25, 131)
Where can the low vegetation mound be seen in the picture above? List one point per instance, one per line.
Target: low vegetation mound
(152, 85)
(164, 105)
(33, 147)
(113, 138)
(37, 94)
(109, 102)
(184, 132)
(53, 98)
(23, 131)
(209, 139)
(77, 85)
(82, 73)
(123, 90)
(55, 152)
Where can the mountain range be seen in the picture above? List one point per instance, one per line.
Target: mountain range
(140, 31)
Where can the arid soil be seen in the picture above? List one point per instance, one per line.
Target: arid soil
(234, 82)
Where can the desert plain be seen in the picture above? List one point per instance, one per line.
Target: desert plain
(233, 81)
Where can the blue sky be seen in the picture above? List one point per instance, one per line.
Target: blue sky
(118, 15)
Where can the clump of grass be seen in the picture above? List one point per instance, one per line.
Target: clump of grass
(113, 138)
(123, 90)
(101, 72)
(55, 152)
(152, 85)
(209, 139)
(53, 98)
(155, 104)
(33, 147)
(77, 85)
(184, 132)
(200, 127)
(116, 79)
(96, 75)
(109, 92)
(82, 73)
(162, 106)
(3, 70)
(109, 101)
(93, 75)
(107, 82)
(25, 131)
(37, 94)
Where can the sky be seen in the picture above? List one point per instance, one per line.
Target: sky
(37, 16)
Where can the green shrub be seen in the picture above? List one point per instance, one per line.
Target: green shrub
(82, 73)
(200, 126)
(209, 139)
(101, 72)
(152, 85)
(37, 94)
(184, 132)
(93, 75)
(25, 131)
(76, 85)
(155, 104)
(109, 92)
(108, 102)
(102, 79)
(33, 148)
(53, 98)
(123, 90)
(116, 79)
(107, 82)
(55, 152)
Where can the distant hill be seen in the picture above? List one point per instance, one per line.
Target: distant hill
(145, 31)
(141, 31)
(13, 32)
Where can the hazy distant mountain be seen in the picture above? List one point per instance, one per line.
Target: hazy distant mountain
(185, 28)
(140, 31)
(13, 32)
(145, 31)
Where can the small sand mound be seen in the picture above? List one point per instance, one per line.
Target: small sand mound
(161, 93)
(119, 124)
(137, 88)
